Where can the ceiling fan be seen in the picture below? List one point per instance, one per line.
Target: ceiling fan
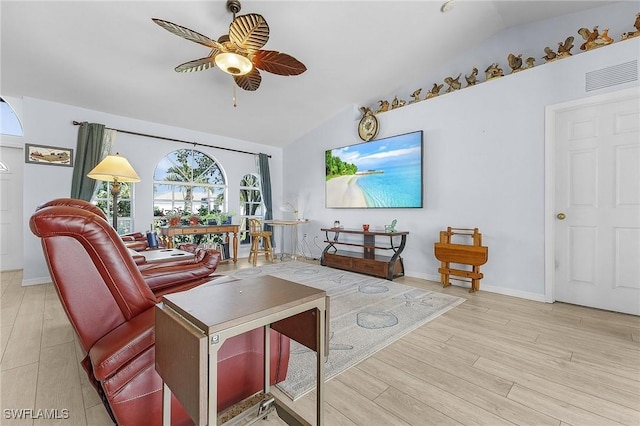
(238, 53)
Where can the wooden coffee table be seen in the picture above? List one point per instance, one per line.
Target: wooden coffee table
(191, 326)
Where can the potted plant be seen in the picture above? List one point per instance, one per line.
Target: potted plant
(173, 217)
(224, 218)
(210, 219)
(194, 219)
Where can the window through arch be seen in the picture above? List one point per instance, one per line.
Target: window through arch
(251, 204)
(188, 181)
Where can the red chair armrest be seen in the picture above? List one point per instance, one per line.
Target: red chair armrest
(134, 236)
(158, 276)
(123, 344)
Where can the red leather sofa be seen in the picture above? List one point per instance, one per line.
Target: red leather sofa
(111, 309)
(166, 277)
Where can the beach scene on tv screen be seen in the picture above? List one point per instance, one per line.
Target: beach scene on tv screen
(383, 173)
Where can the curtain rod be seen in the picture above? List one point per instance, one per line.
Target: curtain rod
(77, 123)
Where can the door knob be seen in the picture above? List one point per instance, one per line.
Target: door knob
(561, 216)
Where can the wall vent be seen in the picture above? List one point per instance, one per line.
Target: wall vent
(611, 76)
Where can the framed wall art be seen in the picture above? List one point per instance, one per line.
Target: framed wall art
(51, 155)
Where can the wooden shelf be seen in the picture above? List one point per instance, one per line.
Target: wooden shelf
(366, 261)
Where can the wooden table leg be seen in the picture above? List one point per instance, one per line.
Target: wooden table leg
(235, 247)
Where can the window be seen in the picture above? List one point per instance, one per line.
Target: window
(9, 123)
(104, 200)
(188, 181)
(251, 205)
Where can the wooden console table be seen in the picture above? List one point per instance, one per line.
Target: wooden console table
(192, 325)
(168, 232)
(365, 261)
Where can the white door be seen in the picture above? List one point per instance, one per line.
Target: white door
(597, 204)
(11, 221)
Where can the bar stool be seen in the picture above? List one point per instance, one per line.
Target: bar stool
(259, 237)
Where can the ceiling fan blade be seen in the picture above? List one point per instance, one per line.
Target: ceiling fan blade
(199, 64)
(250, 81)
(249, 31)
(187, 33)
(277, 63)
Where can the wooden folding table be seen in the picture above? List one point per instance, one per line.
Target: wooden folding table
(191, 326)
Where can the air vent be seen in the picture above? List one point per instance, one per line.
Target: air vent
(612, 76)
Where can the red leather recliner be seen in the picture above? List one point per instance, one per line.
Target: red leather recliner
(134, 240)
(165, 277)
(111, 309)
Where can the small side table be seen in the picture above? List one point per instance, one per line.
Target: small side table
(191, 326)
(293, 224)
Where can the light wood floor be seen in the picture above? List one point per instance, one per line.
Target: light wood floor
(492, 360)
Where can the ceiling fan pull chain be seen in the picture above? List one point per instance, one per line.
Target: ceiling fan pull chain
(235, 104)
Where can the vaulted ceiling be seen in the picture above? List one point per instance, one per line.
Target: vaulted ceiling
(109, 56)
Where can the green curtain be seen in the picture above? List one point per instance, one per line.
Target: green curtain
(265, 182)
(88, 153)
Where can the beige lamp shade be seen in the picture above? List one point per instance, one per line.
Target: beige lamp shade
(114, 168)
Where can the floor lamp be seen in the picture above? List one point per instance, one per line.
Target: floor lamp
(115, 169)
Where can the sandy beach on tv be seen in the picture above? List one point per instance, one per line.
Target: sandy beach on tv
(343, 191)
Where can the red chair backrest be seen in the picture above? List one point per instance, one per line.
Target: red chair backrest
(74, 202)
(95, 276)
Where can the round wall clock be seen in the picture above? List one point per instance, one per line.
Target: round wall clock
(368, 126)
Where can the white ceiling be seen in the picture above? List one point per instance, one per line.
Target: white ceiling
(109, 56)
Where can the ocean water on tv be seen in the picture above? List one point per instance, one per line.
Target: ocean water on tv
(399, 186)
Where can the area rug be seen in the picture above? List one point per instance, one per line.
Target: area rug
(366, 314)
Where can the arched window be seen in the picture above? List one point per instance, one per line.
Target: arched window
(188, 181)
(9, 123)
(251, 205)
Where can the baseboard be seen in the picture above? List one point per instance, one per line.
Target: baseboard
(489, 288)
(36, 281)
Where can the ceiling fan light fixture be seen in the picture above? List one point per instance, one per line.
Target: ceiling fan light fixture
(233, 63)
(238, 53)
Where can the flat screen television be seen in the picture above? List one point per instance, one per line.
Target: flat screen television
(383, 173)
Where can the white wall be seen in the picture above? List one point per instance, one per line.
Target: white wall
(483, 167)
(483, 155)
(50, 123)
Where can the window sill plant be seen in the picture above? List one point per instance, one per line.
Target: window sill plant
(194, 220)
(224, 218)
(173, 218)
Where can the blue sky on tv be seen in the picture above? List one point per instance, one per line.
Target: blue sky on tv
(401, 150)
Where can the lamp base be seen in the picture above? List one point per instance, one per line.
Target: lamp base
(115, 191)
